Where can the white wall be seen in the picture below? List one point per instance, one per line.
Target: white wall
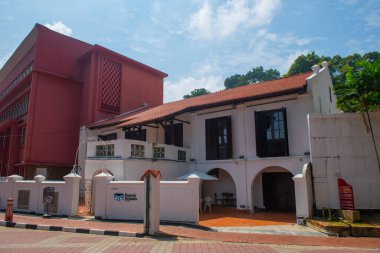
(128, 210)
(179, 200)
(320, 85)
(68, 193)
(341, 147)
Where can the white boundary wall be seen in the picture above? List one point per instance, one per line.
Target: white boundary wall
(341, 147)
(68, 193)
(179, 200)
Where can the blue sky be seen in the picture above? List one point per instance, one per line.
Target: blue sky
(200, 43)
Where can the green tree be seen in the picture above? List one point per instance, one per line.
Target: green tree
(361, 92)
(255, 75)
(197, 92)
(338, 65)
(303, 63)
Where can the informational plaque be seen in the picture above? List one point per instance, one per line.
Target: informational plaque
(23, 199)
(346, 195)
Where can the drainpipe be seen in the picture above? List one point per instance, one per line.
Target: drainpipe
(147, 204)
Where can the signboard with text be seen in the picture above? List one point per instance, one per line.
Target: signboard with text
(346, 195)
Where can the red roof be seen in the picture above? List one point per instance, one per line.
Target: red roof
(155, 173)
(249, 92)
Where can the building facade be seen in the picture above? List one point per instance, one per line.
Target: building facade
(52, 85)
(254, 139)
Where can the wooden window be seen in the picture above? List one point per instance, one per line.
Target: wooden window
(218, 138)
(135, 134)
(271, 133)
(177, 131)
(108, 137)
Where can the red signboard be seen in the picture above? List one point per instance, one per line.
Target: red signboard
(346, 195)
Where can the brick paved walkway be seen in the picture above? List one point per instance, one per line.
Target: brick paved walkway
(14, 240)
(178, 231)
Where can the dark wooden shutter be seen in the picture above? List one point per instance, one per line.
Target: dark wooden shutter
(229, 136)
(259, 135)
(211, 139)
(286, 132)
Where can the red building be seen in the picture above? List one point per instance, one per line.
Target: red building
(52, 85)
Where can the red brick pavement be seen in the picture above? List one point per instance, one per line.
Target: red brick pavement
(45, 242)
(206, 235)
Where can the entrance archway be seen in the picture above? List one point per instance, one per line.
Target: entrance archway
(222, 191)
(273, 190)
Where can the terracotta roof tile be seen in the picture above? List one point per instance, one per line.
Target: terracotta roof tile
(248, 92)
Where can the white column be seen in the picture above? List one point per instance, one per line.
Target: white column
(303, 191)
(152, 190)
(39, 179)
(72, 182)
(101, 183)
(11, 182)
(194, 183)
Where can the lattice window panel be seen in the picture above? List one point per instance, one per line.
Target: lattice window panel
(15, 110)
(111, 84)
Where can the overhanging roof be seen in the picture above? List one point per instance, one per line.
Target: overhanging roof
(283, 86)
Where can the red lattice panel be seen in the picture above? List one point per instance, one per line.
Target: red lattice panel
(111, 82)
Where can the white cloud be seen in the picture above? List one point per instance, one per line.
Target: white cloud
(177, 89)
(60, 27)
(373, 20)
(287, 39)
(218, 22)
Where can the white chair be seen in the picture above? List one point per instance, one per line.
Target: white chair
(208, 201)
(200, 205)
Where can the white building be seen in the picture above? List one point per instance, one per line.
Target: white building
(253, 138)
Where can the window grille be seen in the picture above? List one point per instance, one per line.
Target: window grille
(181, 155)
(111, 85)
(137, 150)
(16, 110)
(158, 152)
(16, 81)
(105, 150)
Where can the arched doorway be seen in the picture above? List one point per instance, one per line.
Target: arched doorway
(222, 191)
(273, 190)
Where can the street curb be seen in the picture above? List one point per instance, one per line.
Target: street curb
(69, 229)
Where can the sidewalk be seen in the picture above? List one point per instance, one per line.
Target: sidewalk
(136, 229)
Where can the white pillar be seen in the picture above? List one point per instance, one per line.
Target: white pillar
(101, 182)
(39, 179)
(194, 185)
(303, 191)
(152, 180)
(11, 182)
(72, 182)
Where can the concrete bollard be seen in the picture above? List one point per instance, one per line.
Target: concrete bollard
(9, 211)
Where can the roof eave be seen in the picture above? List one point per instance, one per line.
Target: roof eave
(301, 90)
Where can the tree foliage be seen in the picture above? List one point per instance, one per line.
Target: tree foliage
(197, 92)
(255, 75)
(360, 92)
(303, 63)
(338, 65)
